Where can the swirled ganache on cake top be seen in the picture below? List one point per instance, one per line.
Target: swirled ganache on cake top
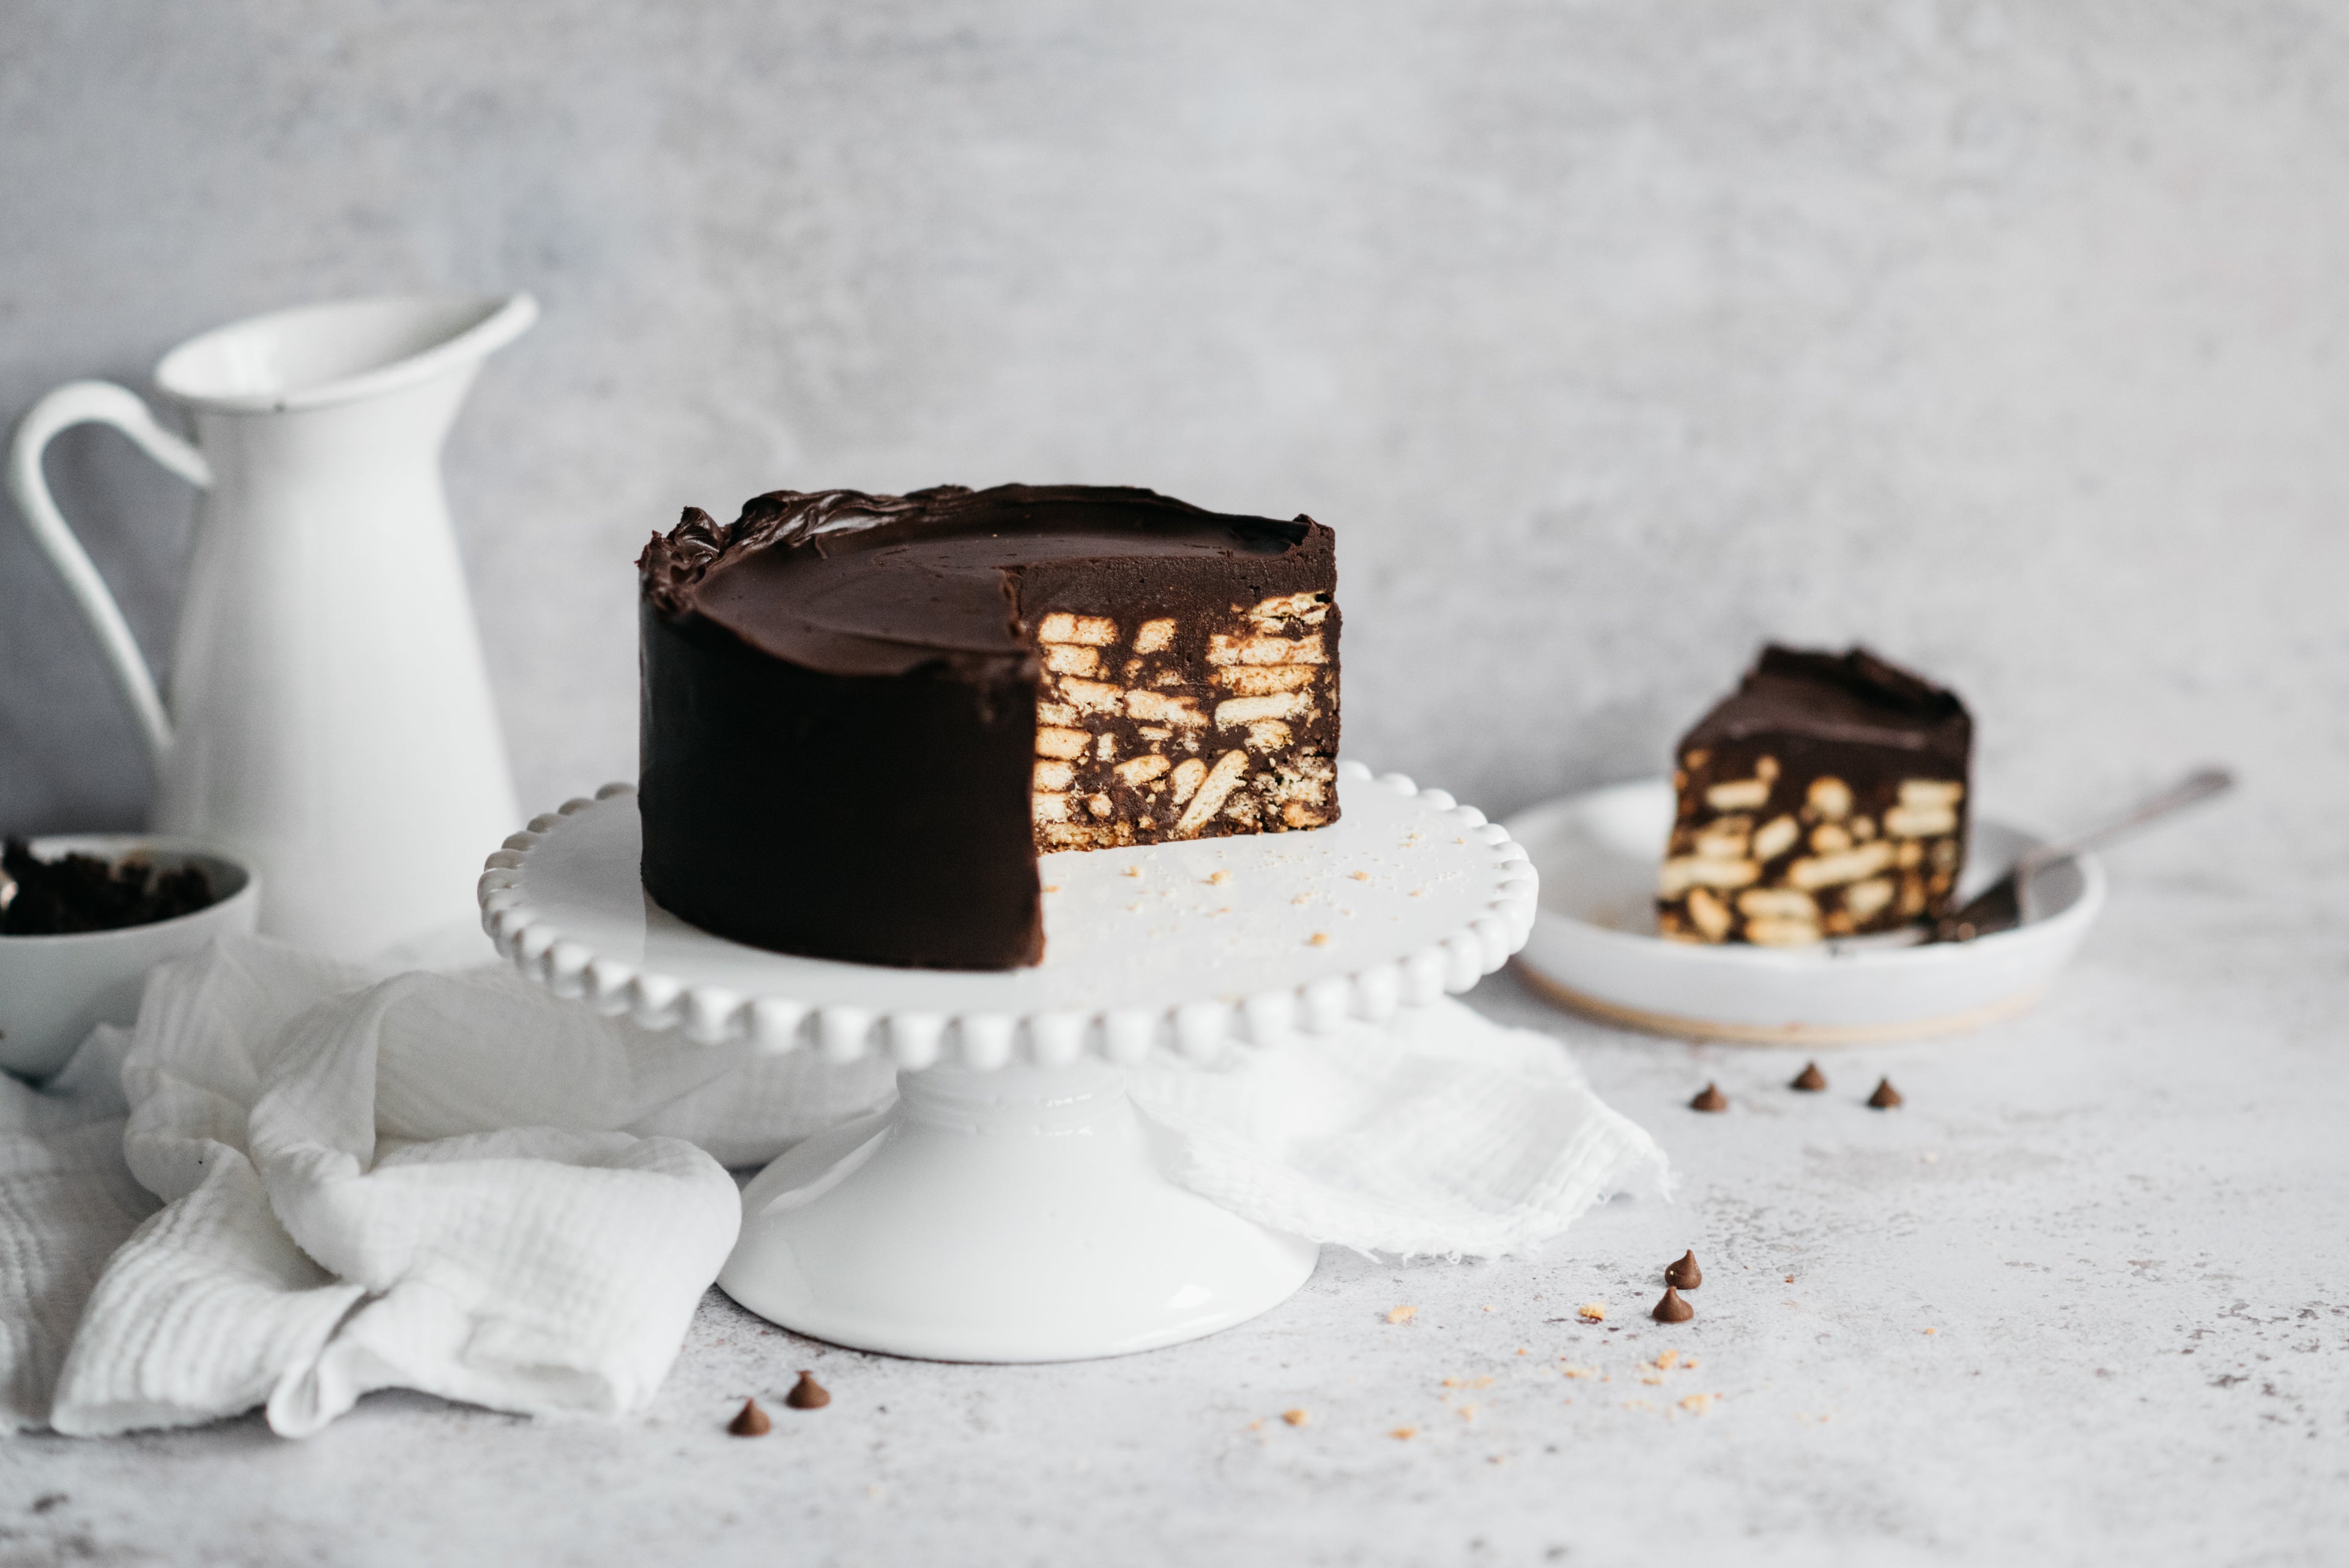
(865, 716)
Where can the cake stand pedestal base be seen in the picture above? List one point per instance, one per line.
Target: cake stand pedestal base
(1021, 1214)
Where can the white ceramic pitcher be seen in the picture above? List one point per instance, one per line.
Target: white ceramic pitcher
(330, 713)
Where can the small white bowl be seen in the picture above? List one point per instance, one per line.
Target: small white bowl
(54, 989)
(1594, 945)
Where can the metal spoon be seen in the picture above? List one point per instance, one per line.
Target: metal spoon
(2004, 903)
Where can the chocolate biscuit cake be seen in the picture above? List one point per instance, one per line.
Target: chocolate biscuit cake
(864, 717)
(1826, 796)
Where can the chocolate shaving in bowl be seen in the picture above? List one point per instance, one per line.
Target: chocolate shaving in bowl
(807, 1393)
(1710, 1098)
(1671, 1309)
(1885, 1097)
(1810, 1080)
(83, 893)
(1684, 1275)
(751, 1422)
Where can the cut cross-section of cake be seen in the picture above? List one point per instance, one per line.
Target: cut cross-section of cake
(864, 716)
(1826, 798)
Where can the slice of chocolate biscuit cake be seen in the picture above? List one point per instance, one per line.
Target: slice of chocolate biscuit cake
(1826, 798)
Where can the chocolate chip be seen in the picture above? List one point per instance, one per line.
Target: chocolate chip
(1810, 1080)
(1684, 1275)
(807, 1393)
(1885, 1096)
(749, 1421)
(1712, 1099)
(1671, 1309)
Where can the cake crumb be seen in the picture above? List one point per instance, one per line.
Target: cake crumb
(1592, 1311)
(1051, 887)
(1131, 871)
(1361, 876)
(1697, 1404)
(1403, 1434)
(1932, 1331)
(1320, 939)
(1302, 899)
(1402, 1314)
(1219, 878)
(1295, 1417)
(1668, 1360)
(1521, 1350)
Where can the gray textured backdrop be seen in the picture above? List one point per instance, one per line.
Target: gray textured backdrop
(1611, 335)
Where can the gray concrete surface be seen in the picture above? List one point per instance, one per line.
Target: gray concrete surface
(2084, 1299)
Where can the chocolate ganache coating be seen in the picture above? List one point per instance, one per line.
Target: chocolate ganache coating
(1848, 699)
(840, 698)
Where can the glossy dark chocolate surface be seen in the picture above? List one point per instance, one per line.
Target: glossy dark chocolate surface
(1855, 696)
(857, 584)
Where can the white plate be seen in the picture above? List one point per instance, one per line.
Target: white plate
(1594, 945)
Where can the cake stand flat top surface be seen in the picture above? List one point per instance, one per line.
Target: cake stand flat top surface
(1408, 893)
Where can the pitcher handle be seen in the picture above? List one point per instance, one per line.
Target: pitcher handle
(104, 403)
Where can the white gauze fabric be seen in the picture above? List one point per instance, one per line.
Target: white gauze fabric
(420, 1182)
(1442, 1133)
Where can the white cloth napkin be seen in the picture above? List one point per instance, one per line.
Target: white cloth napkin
(1441, 1135)
(454, 1183)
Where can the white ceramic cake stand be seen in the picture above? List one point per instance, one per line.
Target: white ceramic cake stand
(1011, 1204)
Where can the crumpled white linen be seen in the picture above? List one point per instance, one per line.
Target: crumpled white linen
(457, 1184)
(1440, 1134)
(67, 1201)
(448, 1183)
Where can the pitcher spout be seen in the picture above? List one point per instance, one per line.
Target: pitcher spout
(316, 355)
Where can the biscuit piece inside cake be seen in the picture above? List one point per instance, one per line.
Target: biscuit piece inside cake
(1827, 796)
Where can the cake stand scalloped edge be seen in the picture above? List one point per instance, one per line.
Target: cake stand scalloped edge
(1200, 1031)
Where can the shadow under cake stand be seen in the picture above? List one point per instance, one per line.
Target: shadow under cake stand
(1011, 1204)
